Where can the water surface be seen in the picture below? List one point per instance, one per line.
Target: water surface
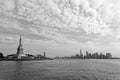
(60, 70)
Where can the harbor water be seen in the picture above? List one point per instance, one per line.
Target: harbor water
(76, 69)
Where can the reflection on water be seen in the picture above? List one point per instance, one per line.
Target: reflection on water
(60, 70)
(18, 71)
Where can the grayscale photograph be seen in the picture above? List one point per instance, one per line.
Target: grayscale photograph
(59, 39)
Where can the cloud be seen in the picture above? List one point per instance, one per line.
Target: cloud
(64, 15)
(6, 23)
(70, 16)
(75, 22)
(7, 5)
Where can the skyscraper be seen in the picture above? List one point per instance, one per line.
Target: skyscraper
(20, 49)
(44, 54)
(81, 55)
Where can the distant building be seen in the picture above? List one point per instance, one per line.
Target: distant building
(76, 56)
(44, 54)
(87, 55)
(96, 55)
(38, 56)
(11, 56)
(81, 55)
(30, 56)
(108, 56)
(102, 56)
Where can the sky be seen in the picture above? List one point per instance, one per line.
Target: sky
(60, 27)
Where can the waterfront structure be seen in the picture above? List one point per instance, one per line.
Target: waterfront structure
(44, 54)
(11, 56)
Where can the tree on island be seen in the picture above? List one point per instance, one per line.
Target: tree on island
(1, 55)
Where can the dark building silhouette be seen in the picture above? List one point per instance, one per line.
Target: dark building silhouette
(11, 56)
(76, 56)
(96, 55)
(87, 55)
(108, 55)
(101, 56)
(81, 55)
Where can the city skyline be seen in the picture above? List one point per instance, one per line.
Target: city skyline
(88, 55)
(60, 27)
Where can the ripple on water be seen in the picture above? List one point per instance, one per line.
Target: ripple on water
(61, 70)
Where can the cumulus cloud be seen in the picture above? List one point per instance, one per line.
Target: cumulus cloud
(91, 16)
(6, 23)
(7, 5)
(92, 20)
(66, 15)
